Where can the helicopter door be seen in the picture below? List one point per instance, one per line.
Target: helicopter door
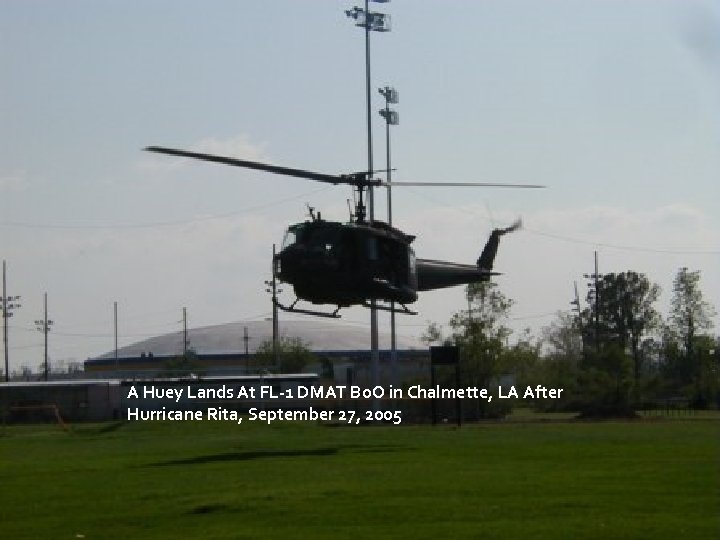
(387, 259)
(398, 263)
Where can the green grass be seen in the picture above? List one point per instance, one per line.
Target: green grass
(608, 480)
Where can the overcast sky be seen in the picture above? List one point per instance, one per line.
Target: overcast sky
(615, 105)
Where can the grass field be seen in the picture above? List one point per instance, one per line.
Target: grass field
(653, 478)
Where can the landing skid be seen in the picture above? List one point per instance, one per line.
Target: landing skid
(390, 308)
(292, 309)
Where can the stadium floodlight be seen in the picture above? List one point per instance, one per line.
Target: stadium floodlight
(391, 117)
(390, 94)
(371, 20)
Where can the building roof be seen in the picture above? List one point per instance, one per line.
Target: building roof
(228, 338)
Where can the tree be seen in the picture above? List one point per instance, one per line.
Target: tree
(626, 313)
(563, 338)
(183, 365)
(605, 382)
(480, 333)
(433, 334)
(693, 361)
(561, 359)
(619, 317)
(293, 355)
(522, 359)
(689, 313)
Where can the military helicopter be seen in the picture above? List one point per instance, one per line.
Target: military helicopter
(355, 263)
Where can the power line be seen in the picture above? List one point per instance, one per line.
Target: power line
(537, 316)
(91, 335)
(619, 246)
(151, 225)
(575, 240)
(23, 347)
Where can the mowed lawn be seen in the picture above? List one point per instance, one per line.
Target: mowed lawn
(651, 478)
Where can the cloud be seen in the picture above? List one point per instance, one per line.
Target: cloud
(701, 33)
(677, 228)
(239, 147)
(16, 181)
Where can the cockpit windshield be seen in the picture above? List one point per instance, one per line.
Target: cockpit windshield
(289, 239)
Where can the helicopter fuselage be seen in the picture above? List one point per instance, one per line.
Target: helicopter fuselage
(328, 262)
(345, 264)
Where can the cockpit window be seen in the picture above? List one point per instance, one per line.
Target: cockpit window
(289, 239)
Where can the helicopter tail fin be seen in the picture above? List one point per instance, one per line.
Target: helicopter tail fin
(487, 257)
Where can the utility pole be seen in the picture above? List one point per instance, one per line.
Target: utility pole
(597, 306)
(273, 290)
(595, 277)
(576, 303)
(44, 327)
(9, 303)
(581, 326)
(115, 325)
(186, 343)
(246, 339)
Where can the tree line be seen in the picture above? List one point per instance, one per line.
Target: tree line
(614, 356)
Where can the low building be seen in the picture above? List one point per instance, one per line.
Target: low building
(59, 401)
(94, 400)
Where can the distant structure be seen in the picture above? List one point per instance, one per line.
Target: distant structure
(98, 400)
(229, 349)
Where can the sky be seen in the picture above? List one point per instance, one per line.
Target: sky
(614, 105)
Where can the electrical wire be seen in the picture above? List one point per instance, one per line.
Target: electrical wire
(151, 225)
(623, 247)
(564, 238)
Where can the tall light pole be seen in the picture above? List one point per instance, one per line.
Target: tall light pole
(391, 119)
(377, 22)
(44, 327)
(9, 303)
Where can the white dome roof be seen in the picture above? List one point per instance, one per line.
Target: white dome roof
(228, 338)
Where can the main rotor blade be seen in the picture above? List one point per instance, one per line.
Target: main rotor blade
(462, 184)
(353, 179)
(287, 171)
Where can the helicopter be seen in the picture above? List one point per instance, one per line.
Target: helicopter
(362, 262)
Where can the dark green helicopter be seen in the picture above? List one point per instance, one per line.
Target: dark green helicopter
(345, 264)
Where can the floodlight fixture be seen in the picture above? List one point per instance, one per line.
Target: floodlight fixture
(355, 12)
(371, 20)
(379, 22)
(390, 116)
(390, 94)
